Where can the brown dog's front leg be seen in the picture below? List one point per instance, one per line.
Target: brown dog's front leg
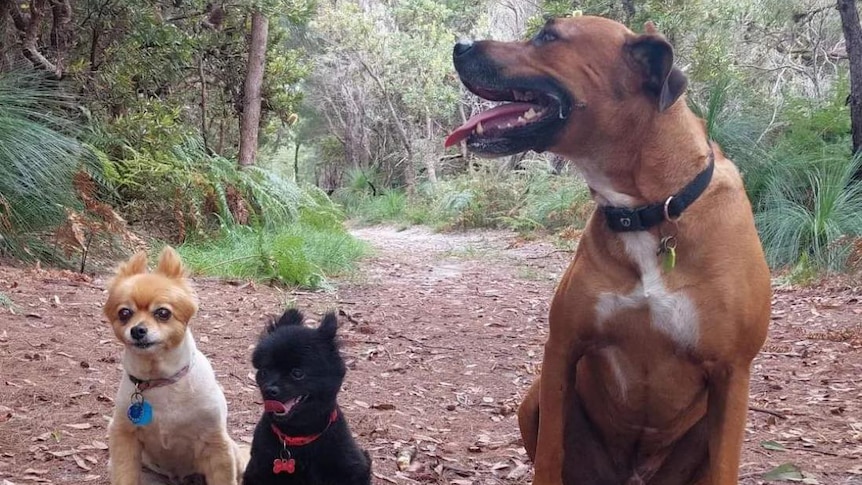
(726, 414)
(217, 460)
(125, 454)
(557, 374)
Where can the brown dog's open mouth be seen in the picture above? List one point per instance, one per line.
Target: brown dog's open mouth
(526, 119)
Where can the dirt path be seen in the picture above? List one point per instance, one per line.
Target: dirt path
(443, 334)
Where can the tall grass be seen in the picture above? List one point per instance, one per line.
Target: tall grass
(814, 222)
(491, 196)
(39, 158)
(300, 254)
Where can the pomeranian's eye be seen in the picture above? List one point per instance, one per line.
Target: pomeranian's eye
(297, 373)
(162, 314)
(125, 314)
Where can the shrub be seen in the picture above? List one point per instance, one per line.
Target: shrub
(815, 222)
(39, 159)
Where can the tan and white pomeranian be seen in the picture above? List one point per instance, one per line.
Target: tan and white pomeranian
(170, 415)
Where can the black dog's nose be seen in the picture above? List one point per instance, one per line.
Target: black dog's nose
(463, 47)
(270, 391)
(139, 332)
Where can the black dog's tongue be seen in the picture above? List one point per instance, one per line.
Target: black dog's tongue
(278, 407)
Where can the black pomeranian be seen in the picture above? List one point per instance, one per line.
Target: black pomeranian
(302, 437)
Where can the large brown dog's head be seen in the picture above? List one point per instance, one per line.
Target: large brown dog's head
(581, 84)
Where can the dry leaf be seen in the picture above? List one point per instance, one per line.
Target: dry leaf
(81, 463)
(99, 445)
(518, 472)
(61, 454)
(79, 426)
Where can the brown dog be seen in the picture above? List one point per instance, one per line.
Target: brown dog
(655, 323)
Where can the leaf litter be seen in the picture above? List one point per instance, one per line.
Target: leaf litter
(443, 334)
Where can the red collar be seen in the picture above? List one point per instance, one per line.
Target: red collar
(303, 440)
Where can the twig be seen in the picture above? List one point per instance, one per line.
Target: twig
(550, 253)
(782, 354)
(767, 411)
(423, 344)
(812, 450)
(349, 317)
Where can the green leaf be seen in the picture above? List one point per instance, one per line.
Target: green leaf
(785, 472)
(773, 446)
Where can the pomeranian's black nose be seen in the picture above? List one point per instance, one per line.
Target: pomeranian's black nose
(270, 391)
(463, 47)
(139, 332)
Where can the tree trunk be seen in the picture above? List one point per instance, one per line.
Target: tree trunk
(250, 123)
(202, 75)
(853, 38)
(296, 163)
(430, 161)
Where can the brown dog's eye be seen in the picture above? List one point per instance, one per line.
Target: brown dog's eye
(297, 373)
(544, 36)
(124, 314)
(162, 314)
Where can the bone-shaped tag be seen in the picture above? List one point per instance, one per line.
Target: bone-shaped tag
(280, 465)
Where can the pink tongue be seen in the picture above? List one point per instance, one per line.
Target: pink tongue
(277, 407)
(491, 118)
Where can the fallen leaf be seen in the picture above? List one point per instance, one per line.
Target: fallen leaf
(773, 446)
(34, 471)
(79, 426)
(61, 454)
(100, 445)
(81, 463)
(787, 471)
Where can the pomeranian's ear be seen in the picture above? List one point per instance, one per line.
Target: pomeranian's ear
(170, 263)
(329, 326)
(290, 317)
(137, 264)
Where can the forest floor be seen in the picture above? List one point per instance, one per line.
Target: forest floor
(443, 334)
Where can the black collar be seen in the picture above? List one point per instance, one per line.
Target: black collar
(624, 219)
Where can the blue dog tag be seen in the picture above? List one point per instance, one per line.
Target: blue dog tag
(140, 413)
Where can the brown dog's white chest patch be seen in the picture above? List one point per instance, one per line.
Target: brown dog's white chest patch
(672, 313)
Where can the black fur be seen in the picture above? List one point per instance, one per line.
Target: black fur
(332, 459)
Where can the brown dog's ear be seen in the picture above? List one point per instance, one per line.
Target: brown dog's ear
(137, 264)
(654, 57)
(170, 264)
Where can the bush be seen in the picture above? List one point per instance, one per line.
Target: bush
(815, 222)
(301, 254)
(39, 160)
(527, 199)
(490, 197)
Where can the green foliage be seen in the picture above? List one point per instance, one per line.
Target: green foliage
(815, 222)
(302, 254)
(528, 199)
(38, 160)
(523, 200)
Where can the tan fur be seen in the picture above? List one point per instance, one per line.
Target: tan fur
(189, 432)
(643, 370)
